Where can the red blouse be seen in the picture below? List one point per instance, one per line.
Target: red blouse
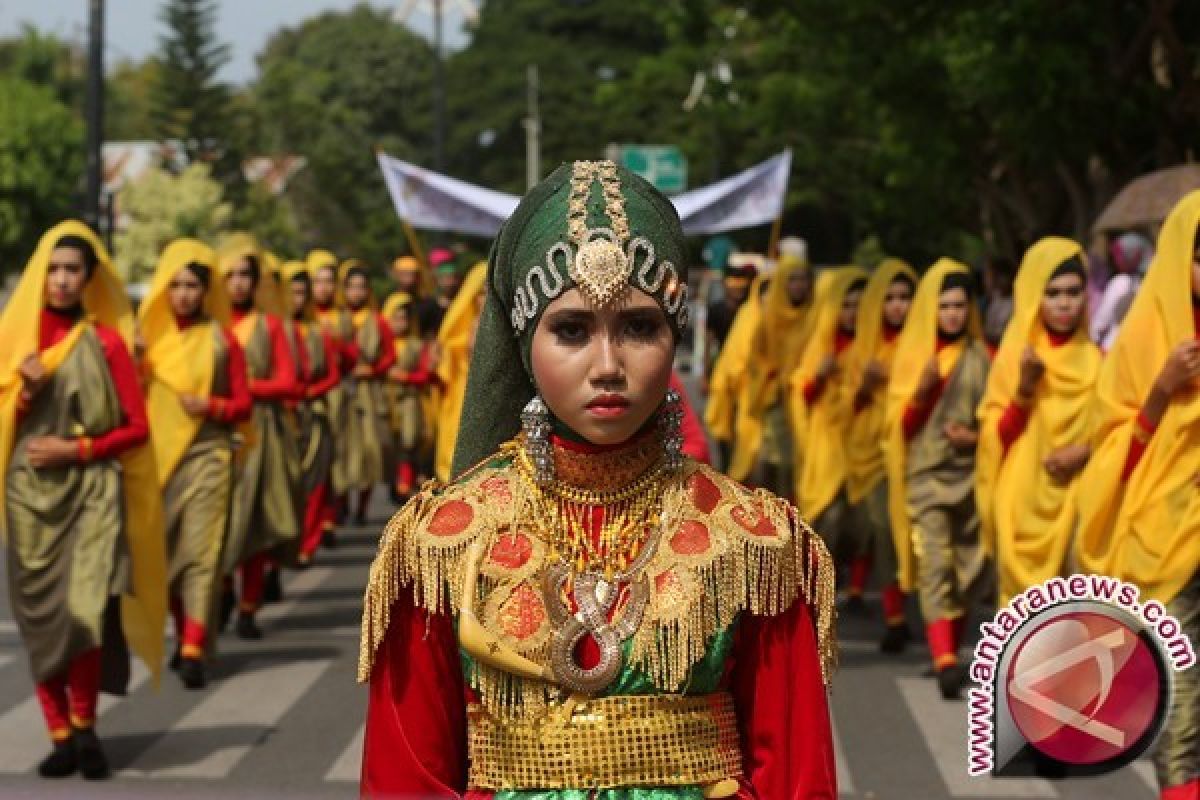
(281, 385)
(387, 349)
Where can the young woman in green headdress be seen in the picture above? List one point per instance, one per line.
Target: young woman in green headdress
(583, 612)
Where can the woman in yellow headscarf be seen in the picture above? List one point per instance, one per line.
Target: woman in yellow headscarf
(938, 378)
(454, 344)
(782, 333)
(728, 413)
(881, 316)
(371, 353)
(78, 479)
(265, 517)
(1139, 519)
(196, 393)
(819, 414)
(406, 380)
(319, 372)
(1035, 419)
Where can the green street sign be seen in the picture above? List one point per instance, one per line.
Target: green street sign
(662, 165)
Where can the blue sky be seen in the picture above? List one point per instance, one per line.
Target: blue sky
(132, 27)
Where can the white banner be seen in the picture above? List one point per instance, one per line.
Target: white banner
(434, 201)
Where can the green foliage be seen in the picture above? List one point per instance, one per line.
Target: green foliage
(333, 89)
(160, 207)
(41, 162)
(272, 221)
(189, 104)
(129, 101)
(46, 60)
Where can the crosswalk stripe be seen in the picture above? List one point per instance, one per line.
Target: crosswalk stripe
(6, 659)
(1144, 769)
(23, 740)
(8, 626)
(212, 738)
(349, 764)
(844, 779)
(294, 591)
(944, 726)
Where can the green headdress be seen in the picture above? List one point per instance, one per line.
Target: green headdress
(592, 225)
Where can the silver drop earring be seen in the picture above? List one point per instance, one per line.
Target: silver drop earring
(535, 423)
(670, 422)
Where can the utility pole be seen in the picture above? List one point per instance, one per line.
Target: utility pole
(94, 113)
(533, 129)
(439, 91)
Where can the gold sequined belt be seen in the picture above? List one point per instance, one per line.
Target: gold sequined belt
(656, 740)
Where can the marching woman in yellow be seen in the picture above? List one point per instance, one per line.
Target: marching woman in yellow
(1140, 516)
(881, 316)
(819, 413)
(1035, 419)
(938, 379)
(455, 341)
(265, 514)
(371, 353)
(727, 415)
(196, 393)
(783, 332)
(406, 380)
(79, 485)
(319, 374)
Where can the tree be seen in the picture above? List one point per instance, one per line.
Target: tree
(160, 207)
(45, 60)
(41, 163)
(189, 103)
(333, 89)
(129, 101)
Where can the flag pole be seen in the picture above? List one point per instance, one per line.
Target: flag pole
(776, 229)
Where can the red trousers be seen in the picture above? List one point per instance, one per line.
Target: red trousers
(69, 700)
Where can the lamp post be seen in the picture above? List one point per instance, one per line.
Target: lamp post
(94, 112)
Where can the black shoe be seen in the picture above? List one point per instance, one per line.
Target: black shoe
(895, 639)
(247, 628)
(329, 540)
(951, 680)
(175, 658)
(225, 613)
(92, 762)
(191, 672)
(62, 761)
(272, 586)
(856, 605)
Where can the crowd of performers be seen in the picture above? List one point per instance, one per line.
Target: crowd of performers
(178, 455)
(965, 448)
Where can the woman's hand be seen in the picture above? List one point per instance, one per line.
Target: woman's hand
(1182, 367)
(931, 376)
(962, 438)
(45, 452)
(364, 371)
(1032, 368)
(1066, 462)
(828, 368)
(194, 404)
(33, 374)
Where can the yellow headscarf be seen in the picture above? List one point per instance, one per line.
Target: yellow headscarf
(287, 273)
(397, 300)
(731, 404)
(144, 608)
(364, 313)
(819, 432)
(1149, 533)
(916, 346)
(454, 340)
(316, 261)
(784, 329)
(1026, 519)
(238, 246)
(178, 362)
(864, 450)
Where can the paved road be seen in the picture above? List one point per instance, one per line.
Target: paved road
(283, 717)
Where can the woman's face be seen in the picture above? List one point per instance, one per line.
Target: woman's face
(953, 306)
(603, 372)
(896, 303)
(399, 321)
(185, 293)
(239, 282)
(1062, 304)
(356, 291)
(324, 286)
(799, 287)
(298, 294)
(66, 278)
(848, 315)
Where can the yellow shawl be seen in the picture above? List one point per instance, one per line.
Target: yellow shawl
(819, 432)
(178, 362)
(144, 608)
(236, 247)
(454, 340)
(864, 451)
(1026, 518)
(730, 400)
(1149, 533)
(916, 346)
